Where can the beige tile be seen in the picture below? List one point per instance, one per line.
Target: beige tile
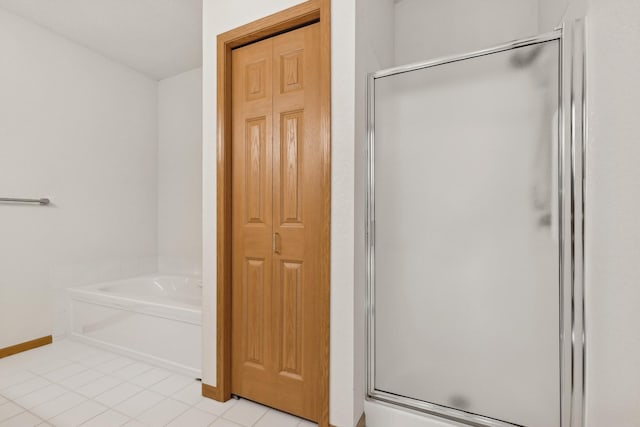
(163, 413)
(172, 384)
(58, 405)
(8, 410)
(118, 394)
(109, 418)
(65, 372)
(83, 378)
(150, 378)
(275, 418)
(26, 387)
(191, 394)
(98, 359)
(50, 365)
(41, 396)
(114, 365)
(99, 386)
(131, 371)
(215, 407)
(15, 378)
(221, 422)
(78, 414)
(245, 413)
(139, 403)
(194, 417)
(25, 419)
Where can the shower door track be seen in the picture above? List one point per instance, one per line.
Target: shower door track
(573, 131)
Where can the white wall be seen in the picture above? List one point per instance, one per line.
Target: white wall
(375, 51)
(81, 130)
(612, 214)
(220, 17)
(427, 29)
(612, 208)
(550, 13)
(345, 407)
(180, 174)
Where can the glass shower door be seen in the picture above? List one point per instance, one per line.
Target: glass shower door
(465, 269)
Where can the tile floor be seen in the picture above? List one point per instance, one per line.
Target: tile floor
(69, 384)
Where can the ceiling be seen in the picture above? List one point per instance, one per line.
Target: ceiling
(159, 38)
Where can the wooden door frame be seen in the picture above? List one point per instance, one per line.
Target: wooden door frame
(289, 19)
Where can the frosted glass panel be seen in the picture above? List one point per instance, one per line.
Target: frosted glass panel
(466, 236)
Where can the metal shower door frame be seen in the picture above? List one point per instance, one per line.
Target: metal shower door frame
(572, 128)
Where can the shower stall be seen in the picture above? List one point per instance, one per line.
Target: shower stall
(474, 234)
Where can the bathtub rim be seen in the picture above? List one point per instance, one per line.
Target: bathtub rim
(151, 305)
(181, 313)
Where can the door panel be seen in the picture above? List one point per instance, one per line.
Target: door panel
(291, 320)
(253, 306)
(252, 215)
(277, 218)
(290, 168)
(256, 170)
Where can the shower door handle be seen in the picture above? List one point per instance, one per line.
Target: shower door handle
(277, 243)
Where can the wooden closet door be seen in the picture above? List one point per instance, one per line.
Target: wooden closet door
(252, 225)
(277, 220)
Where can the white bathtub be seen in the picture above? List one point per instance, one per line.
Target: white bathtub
(154, 318)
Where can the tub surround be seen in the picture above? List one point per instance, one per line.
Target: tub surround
(154, 318)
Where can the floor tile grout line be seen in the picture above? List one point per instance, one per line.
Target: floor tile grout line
(20, 382)
(23, 412)
(86, 398)
(17, 397)
(139, 374)
(165, 397)
(122, 380)
(261, 417)
(158, 404)
(106, 409)
(110, 375)
(58, 382)
(227, 410)
(20, 413)
(66, 410)
(93, 368)
(172, 419)
(113, 407)
(95, 416)
(68, 389)
(83, 384)
(51, 370)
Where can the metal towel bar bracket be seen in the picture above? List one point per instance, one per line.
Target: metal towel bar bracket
(12, 200)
